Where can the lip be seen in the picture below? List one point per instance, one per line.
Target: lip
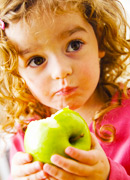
(66, 91)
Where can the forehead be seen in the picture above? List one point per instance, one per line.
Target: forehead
(23, 32)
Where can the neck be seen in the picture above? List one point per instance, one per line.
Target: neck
(88, 110)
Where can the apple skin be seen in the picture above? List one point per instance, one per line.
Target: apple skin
(46, 137)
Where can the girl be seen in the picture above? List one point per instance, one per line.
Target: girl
(58, 53)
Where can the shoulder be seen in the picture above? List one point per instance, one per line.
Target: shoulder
(18, 139)
(123, 110)
(17, 143)
(119, 118)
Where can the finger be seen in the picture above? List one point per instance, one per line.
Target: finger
(72, 166)
(57, 173)
(86, 157)
(21, 158)
(94, 142)
(37, 176)
(27, 169)
(51, 178)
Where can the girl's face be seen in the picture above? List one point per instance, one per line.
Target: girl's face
(59, 59)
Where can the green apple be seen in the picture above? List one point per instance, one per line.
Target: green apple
(46, 137)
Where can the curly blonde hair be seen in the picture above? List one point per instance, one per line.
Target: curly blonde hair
(107, 18)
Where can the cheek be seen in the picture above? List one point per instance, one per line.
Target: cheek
(35, 83)
(90, 70)
(39, 90)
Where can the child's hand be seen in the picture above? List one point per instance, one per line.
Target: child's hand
(23, 168)
(88, 165)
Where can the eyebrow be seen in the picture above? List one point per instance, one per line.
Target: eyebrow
(72, 31)
(28, 50)
(25, 51)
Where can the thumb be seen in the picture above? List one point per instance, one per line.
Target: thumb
(94, 142)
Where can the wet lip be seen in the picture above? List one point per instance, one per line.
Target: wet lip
(66, 91)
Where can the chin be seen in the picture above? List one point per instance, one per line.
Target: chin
(71, 106)
(61, 106)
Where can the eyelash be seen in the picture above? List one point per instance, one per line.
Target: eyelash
(80, 43)
(33, 59)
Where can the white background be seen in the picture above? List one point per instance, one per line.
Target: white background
(126, 4)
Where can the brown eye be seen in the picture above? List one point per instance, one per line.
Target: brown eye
(74, 45)
(36, 61)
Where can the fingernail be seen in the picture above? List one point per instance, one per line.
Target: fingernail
(28, 157)
(54, 158)
(68, 150)
(37, 166)
(41, 175)
(47, 167)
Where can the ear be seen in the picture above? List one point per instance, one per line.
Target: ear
(101, 54)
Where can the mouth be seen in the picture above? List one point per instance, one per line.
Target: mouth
(66, 91)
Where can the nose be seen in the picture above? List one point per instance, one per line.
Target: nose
(61, 67)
